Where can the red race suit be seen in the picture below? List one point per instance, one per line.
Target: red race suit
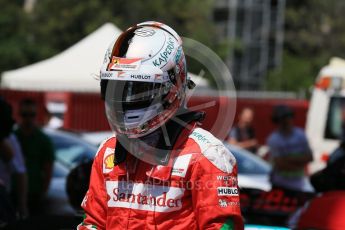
(198, 191)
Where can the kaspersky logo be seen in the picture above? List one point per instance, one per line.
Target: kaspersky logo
(144, 196)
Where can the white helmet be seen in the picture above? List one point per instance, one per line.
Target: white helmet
(143, 79)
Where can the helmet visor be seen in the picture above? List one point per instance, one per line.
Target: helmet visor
(130, 104)
(133, 91)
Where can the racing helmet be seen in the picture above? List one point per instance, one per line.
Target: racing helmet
(144, 79)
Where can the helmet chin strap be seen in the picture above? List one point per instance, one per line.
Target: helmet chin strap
(120, 151)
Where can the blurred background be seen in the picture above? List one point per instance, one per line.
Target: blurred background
(267, 44)
(278, 51)
(54, 47)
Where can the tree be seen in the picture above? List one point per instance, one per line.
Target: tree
(314, 32)
(53, 26)
(12, 37)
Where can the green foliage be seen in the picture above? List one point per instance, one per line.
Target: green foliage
(54, 25)
(12, 35)
(314, 32)
(315, 27)
(296, 73)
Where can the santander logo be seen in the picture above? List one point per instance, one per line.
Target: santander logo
(144, 196)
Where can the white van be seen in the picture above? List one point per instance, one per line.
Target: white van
(326, 109)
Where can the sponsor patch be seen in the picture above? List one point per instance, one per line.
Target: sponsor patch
(222, 203)
(108, 75)
(108, 160)
(227, 191)
(125, 63)
(113, 75)
(144, 196)
(230, 181)
(107, 56)
(141, 76)
(225, 177)
(202, 138)
(163, 57)
(180, 166)
(178, 55)
(121, 75)
(144, 32)
(214, 150)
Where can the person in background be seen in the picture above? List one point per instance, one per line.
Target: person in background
(11, 164)
(7, 213)
(38, 153)
(18, 171)
(289, 151)
(243, 134)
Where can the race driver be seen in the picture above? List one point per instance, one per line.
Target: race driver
(160, 171)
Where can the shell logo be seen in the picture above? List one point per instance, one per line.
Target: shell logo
(109, 161)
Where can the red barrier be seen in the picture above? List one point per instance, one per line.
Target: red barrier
(85, 111)
(263, 109)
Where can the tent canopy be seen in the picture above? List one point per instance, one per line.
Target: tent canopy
(72, 70)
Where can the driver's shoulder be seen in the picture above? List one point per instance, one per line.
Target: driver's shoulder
(209, 149)
(106, 145)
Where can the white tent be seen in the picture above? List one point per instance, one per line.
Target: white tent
(72, 70)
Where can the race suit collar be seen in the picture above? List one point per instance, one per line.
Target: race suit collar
(178, 129)
(163, 172)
